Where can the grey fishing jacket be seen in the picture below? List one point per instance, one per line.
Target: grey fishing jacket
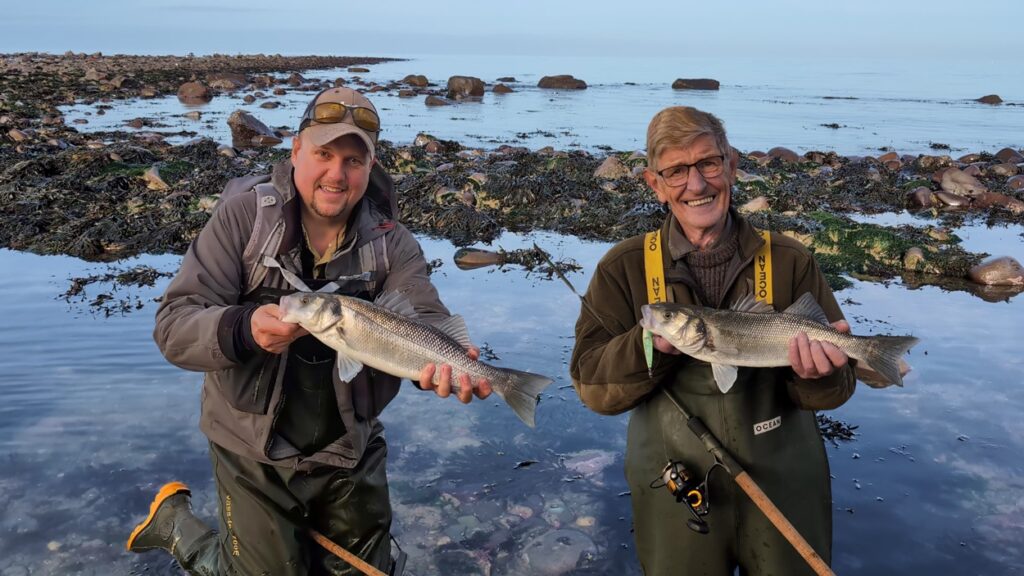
(195, 323)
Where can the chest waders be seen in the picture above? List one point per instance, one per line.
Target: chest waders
(657, 292)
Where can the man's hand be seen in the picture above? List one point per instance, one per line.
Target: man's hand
(813, 359)
(270, 333)
(444, 383)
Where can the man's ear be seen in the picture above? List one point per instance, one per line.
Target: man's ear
(296, 144)
(652, 181)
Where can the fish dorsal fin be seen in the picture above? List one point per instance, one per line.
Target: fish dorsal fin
(455, 326)
(348, 367)
(751, 304)
(808, 307)
(725, 376)
(397, 303)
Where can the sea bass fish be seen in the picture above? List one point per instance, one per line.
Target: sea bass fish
(387, 336)
(753, 334)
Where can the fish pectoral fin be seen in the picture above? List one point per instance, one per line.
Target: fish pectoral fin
(455, 326)
(725, 376)
(751, 304)
(347, 367)
(808, 307)
(397, 303)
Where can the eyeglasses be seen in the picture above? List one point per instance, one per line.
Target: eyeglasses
(335, 112)
(679, 174)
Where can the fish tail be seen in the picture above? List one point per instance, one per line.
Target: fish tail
(523, 393)
(884, 353)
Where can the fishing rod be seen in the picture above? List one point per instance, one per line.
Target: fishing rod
(356, 562)
(723, 458)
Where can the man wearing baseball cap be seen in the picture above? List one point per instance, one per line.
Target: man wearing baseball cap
(294, 448)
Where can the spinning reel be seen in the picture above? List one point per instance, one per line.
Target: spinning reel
(684, 486)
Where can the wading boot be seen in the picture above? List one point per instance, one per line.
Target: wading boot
(171, 526)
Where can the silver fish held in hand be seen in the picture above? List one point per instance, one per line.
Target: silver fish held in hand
(753, 334)
(387, 335)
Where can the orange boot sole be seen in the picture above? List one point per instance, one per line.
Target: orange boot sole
(166, 491)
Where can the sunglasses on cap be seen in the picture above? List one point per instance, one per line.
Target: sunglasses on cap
(335, 113)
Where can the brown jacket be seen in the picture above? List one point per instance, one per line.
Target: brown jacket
(195, 323)
(608, 367)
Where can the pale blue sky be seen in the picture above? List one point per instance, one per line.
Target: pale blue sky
(791, 29)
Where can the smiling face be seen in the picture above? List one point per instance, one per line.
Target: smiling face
(331, 179)
(701, 206)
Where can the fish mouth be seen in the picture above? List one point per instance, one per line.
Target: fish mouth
(288, 310)
(646, 319)
(701, 201)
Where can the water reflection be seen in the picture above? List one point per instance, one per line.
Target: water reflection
(94, 421)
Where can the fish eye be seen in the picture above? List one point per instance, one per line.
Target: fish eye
(305, 300)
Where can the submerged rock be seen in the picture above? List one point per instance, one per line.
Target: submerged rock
(460, 87)
(246, 128)
(990, 99)
(192, 93)
(562, 82)
(1001, 271)
(417, 80)
(695, 84)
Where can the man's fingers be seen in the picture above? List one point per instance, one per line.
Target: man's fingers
(483, 388)
(804, 347)
(842, 326)
(473, 352)
(444, 382)
(465, 388)
(427, 377)
(821, 362)
(835, 356)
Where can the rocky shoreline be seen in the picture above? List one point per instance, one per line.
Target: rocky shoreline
(109, 196)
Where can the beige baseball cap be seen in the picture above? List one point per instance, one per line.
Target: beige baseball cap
(337, 112)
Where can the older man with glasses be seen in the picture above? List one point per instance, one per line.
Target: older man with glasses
(765, 419)
(294, 448)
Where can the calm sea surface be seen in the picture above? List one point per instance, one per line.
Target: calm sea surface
(764, 103)
(94, 420)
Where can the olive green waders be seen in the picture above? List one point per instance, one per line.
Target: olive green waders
(265, 512)
(788, 462)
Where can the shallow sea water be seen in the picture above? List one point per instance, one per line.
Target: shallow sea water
(94, 420)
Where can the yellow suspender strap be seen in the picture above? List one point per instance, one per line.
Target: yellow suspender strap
(654, 269)
(763, 269)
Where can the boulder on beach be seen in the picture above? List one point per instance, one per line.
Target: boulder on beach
(194, 93)
(506, 79)
(1016, 183)
(611, 169)
(562, 82)
(436, 101)
(245, 128)
(460, 87)
(417, 80)
(358, 70)
(955, 181)
(784, 154)
(227, 80)
(501, 89)
(1000, 271)
(921, 197)
(1009, 155)
(695, 84)
(759, 204)
(990, 99)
